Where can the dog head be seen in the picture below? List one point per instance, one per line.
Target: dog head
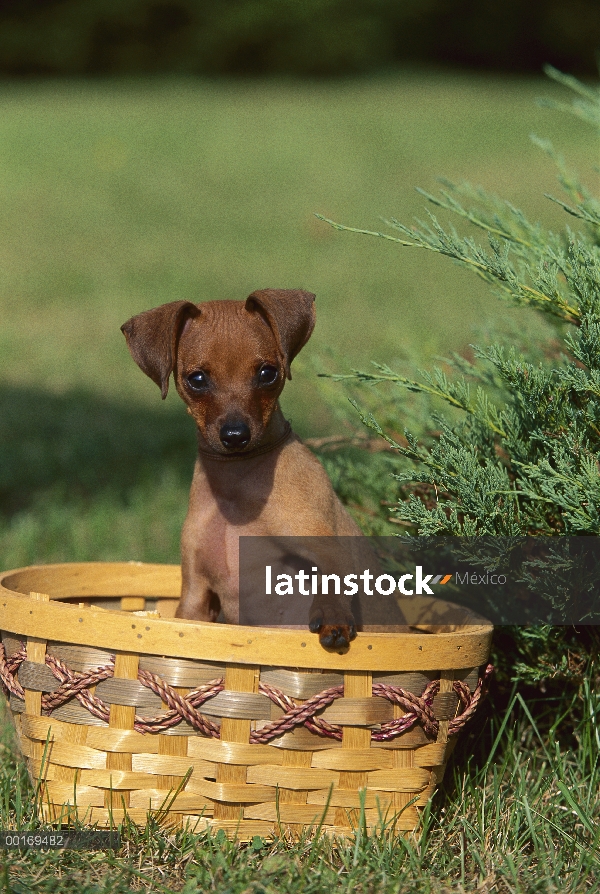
(230, 359)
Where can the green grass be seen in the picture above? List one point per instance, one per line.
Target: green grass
(519, 812)
(118, 196)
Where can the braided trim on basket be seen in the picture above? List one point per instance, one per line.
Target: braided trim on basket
(417, 709)
(181, 707)
(298, 714)
(8, 669)
(470, 700)
(75, 683)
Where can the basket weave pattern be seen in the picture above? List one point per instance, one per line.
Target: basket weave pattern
(232, 745)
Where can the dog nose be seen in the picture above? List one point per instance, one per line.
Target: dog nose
(234, 434)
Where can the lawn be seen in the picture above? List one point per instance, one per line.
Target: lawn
(119, 196)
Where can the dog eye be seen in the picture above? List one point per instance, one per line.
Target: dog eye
(268, 374)
(198, 381)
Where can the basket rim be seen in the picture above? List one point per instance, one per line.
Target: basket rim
(24, 615)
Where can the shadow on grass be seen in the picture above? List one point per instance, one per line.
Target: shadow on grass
(80, 446)
(86, 478)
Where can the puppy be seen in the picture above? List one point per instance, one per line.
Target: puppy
(253, 475)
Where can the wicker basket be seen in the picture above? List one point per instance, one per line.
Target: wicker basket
(121, 708)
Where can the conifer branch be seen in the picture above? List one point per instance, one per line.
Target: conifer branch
(493, 268)
(587, 214)
(589, 93)
(478, 220)
(457, 394)
(339, 226)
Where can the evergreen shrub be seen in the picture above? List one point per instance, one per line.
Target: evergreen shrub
(520, 452)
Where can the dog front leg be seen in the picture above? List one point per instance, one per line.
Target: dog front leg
(198, 601)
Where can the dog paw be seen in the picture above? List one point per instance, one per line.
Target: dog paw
(333, 635)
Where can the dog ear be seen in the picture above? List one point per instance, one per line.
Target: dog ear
(152, 339)
(291, 315)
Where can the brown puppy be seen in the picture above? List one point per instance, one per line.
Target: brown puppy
(253, 475)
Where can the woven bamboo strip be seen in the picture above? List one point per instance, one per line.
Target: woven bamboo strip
(438, 767)
(293, 777)
(358, 759)
(80, 658)
(182, 672)
(444, 705)
(120, 780)
(402, 760)
(74, 713)
(358, 711)
(37, 677)
(121, 717)
(132, 603)
(105, 817)
(233, 829)
(357, 685)
(42, 727)
(430, 755)
(297, 684)
(412, 738)
(411, 682)
(40, 770)
(423, 797)
(238, 678)
(129, 692)
(170, 766)
(233, 753)
(239, 705)
(64, 793)
(446, 680)
(18, 729)
(11, 644)
(302, 739)
(181, 730)
(81, 579)
(157, 799)
(402, 779)
(290, 813)
(298, 778)
(437, 774)
(30, 748)
(350, 799)
(172, 753)
(342, 831)
(403, 764)
(166, 608)
(228, 793)
(36, 652)
(122, 740)
(65, 754)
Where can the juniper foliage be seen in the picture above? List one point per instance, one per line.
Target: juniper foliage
(519, 453)
(524, 456)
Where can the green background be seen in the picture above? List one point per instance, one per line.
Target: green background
(118, 196)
